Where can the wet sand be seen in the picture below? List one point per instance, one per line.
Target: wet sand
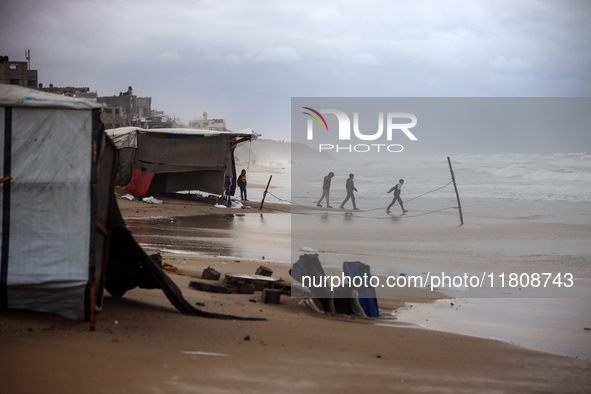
(262, 236)
(142, 344)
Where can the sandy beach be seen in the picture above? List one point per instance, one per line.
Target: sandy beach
(142, 344)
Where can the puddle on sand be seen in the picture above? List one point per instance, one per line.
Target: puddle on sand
(251, 236)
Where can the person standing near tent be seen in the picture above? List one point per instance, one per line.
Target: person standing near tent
(227, 198)
(350, 186)
(242, 184)
(326, 190)
(397, 189)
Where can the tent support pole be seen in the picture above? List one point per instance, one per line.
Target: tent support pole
(453, 178)
(92, 299)
(265, 193)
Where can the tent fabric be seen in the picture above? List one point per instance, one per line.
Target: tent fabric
(130, 267)
(200, 132)
(46, 204)
(180, 153)
(57, 212)
(125, 166)
(139, 183)
(309, 265)
(207, 181)
(49, 206)
(104, 190)
(17, 96)
(182, 159)
(124, 137)
(127, 136)
(366, 295)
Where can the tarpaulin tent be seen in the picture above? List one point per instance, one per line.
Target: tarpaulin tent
(62, 239)
(55, 205)
(170, 160)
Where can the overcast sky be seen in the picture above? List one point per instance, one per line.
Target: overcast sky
(244, 60)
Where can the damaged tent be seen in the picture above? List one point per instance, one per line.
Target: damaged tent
(353, 296)
(61, 228)
(170, 160)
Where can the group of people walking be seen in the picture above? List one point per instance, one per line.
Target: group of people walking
(350, 188)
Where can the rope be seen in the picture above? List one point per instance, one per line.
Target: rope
(366, 210)
(431, 191)
(426, 213)
(249, 152)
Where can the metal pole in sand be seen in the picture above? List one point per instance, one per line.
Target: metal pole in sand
(453, 178)
(265, 193)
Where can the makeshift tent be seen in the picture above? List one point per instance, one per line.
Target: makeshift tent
(366, 294)
(171, 160)
(55, 205)
(60, 224)
(354, 297)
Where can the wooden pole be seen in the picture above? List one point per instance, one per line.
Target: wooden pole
(453, 178)
(92, 299)
(265, 193)
(223, 196)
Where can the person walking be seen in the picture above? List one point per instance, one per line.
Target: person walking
(397, 189)
(242, 184)
(350, 186)
(326, 190)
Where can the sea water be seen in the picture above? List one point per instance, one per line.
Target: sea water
(522, 193)
(504, 189)
(503, 177)
(516, 191)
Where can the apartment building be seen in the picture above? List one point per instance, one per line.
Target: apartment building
(17, 73)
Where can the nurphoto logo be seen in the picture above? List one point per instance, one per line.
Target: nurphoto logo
(391, 124)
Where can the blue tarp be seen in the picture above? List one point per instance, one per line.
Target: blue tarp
(366, 294)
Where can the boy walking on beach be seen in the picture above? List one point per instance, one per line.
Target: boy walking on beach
(397, 189)
(350, 186)
(326, 190)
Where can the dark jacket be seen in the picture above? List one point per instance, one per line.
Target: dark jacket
(350, 186)
(326, 184)
(397, 189)
(241, 180)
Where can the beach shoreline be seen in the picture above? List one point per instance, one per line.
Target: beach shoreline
(143, 344)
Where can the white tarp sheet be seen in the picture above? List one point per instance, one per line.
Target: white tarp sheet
(123, 137)
(17, 96)
(126, 137)
(49, 237)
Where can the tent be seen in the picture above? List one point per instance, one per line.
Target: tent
(55, 203)
(171, 160)
(355, 297)
(63, 241)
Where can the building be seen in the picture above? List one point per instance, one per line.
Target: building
(70, 91)
(135, 110)
(159, 120)
(112, 116)
(208, 124)
(126, 109)
(17, 73)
